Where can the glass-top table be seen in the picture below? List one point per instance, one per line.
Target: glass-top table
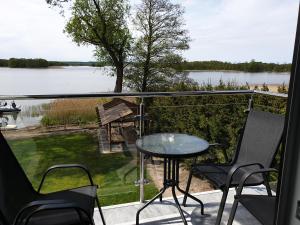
(172, 147)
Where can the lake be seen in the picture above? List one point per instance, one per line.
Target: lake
(58, 80)
(71, 80)
(67, 80)
(214, 77)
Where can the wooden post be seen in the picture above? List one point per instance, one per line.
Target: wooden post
(109, 136)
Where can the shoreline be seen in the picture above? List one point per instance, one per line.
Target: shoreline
(272, 87)
(235, 71)
(38, 131)
(179, 71)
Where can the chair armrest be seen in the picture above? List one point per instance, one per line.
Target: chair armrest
(35, 204)
(58, 206)
(235, 168)
(66, 166)
(249, 174)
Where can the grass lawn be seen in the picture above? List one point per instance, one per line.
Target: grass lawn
(115, 173)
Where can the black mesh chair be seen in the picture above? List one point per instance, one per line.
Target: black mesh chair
(262, 207)
(256, 149)
(20, 204)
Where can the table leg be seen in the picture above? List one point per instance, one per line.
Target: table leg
(169, 169)
(192, 197)
(178, 206)
(148, 203)
(186, 193)
(175, 176)
(165, 177)
(171, 179)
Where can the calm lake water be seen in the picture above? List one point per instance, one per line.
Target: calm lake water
(55, 80)
(90, 79)
(214, 77)
(70, 80)
(63, 80)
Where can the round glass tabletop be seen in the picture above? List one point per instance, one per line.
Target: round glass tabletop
(168, 145)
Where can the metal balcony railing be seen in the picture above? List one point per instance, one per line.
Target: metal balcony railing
(142, 97)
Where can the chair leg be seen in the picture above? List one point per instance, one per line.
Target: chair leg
(100, 211)
(187, 187)
(222, 206)
(233, 211)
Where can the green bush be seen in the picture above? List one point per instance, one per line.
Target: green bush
(216, 118)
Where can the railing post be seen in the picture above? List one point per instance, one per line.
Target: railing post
(142, 166)
(250, 103)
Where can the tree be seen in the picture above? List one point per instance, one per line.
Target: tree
(102, 23)
(3, 63)
(160, 40)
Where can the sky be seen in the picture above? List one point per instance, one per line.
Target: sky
(225, 30)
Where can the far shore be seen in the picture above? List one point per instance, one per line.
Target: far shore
(62, 66)
(235, 71)
(272, 87)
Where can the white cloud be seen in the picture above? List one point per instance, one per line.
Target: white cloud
(244, 30)
(232, 30)
(31, 29)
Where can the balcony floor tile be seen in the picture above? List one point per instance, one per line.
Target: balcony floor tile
(166, 212)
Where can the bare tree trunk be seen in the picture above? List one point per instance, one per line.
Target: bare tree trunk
(119, 80)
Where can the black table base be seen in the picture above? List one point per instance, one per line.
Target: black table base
(171, 180)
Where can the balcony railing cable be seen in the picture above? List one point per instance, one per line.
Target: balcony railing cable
(142, 96)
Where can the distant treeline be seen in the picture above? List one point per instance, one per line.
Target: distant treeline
(3, 63)
(252, 66)
(73, 63)
(24, 63)
(40, 63)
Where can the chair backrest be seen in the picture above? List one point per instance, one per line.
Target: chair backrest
(15, 188)
(261, 138)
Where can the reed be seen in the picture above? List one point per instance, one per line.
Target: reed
(71, 112)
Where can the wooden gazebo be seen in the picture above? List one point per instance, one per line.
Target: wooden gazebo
(117, 114)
